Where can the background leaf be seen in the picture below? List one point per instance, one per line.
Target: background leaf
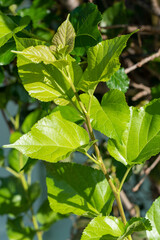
(85, 19)
(106, 228)
(91, 197)
(119, 80)
(17, 231)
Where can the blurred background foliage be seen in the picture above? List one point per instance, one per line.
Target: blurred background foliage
(40, 19)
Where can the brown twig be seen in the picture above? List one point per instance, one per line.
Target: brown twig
(155, 7)
(128, 205)
(142, 62)
(146, 91)
(143, 29)
(147, 172)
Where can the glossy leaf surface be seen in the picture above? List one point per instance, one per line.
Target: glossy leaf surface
(49, 82)
(38, 54)
(119, 80)
(153, 215)
(134, 133)
(73, 188)
(103, 62)
(106, 228)
(52, 139)
(141, 138)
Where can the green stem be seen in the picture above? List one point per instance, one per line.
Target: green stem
(12, 171)
(92, 159)
(99, 159)
(124, 178)
(35, 224)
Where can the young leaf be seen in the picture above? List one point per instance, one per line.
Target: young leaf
(136, 225)
(64, 37)
(106, 228)
(38, 54)
(119, 80)
(52, 139)
(103, 62)
(85, 19)
(52, 81)
(78, 189)
(153, 215)
(141, 139)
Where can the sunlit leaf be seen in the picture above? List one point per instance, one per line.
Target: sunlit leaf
(103, 228)
(153, 215)
(64, 37)
(52, 139)
(103, 62)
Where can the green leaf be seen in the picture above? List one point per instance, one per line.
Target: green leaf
(136, 225)
(153, 215)
(6, 56)
(64, 37)
(112, 116)
(52, 139)
(13, 197)
(31, 119)
(38, 54)
(116, 14)
(106, 228)
(78, 189)
(119, 80)
(22, 43)
(16, 160)
(155, 92)
(7, 3)
(70, 113)
(17, 231)
(134, 133)
(141, 139)
(1, 75)
(9, 27)
(85, 19)
(52, 81)
(2, 158)
(103, 62)
(46, 216)
(34, 191)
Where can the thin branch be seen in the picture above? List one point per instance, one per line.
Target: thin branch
(143, 29)
(142, 62)
(147, 172)
(128, 205)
